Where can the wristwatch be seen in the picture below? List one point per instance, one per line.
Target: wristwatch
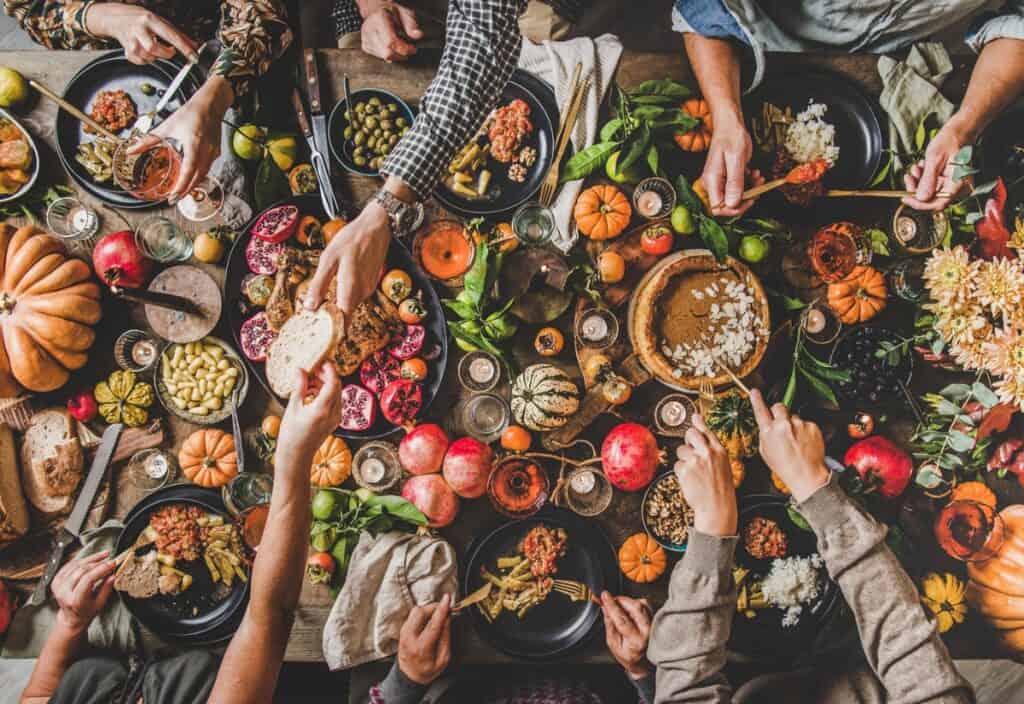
(405, 217)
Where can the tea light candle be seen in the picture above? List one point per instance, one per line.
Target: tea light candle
(649, 203)
(583, 482)
(906, 228)
(815, 321)
(673, 414)
(594, 328)
(482, 370)
(155, 466)
(144, 352)
(373, 470)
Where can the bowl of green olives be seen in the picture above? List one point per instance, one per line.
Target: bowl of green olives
(362, 138)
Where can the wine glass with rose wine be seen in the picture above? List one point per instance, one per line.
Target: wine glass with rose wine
(147, 167)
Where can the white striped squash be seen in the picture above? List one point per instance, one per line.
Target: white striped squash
(544, 397)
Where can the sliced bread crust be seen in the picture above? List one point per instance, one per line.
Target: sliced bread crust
(304, 342)
(52, 461)
(14, 519)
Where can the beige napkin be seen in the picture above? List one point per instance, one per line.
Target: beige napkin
(555, 63)
(387, 576)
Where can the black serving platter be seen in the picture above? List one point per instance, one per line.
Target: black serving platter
(855, 116)
(557, 625)
(398, 258)
(114, 72)
(764, 636)
(193, 616)
(508, 195)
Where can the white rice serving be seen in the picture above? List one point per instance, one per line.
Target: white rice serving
(791, 583)
(809, 137)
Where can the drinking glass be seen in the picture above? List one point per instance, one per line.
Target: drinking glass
(485, 417)
(149, 470)
(162, 240)
(245, 491)
(588, 491)
(72, 220)
(533, 224)
(969, 530)
(203, 201)
(834, 253)
(147, 174)
(820, 325)
(518, 487)
(376, 466)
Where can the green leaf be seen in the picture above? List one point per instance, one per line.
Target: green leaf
(947, 408)
(652, 159)
(820, 387)
(398, 507)
(973, 218)
(475, 280)
(637, 149)
(964, 156)
(611, 129)
(653, 100)
(680, 120)
(829, 373)
(270, 185)
(985, 396)
(960, 441)
(714, 237)
(797, 518)
(879, 241)
(586, 162)
(950, 462)
(962, 172)
(984, 188)
(790, 393)
(686, 197)
(956, 392)
(662, 87)
(883, 172)
(647, 113)
(920, 134)
(464, 311)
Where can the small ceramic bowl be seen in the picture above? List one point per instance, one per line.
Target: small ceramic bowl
(214, 417)
(648, 496)
(341, 148)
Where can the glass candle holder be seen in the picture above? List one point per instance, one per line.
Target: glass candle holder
(376, 466)
(654, 198)
(72, 220)
(148, 470)
(597, 328)
(969, 530)
(820, 325)
(534, 224)
(479, 371)
(588, 491)
(919, 232)
(136, 351)
(673, 415)
(834, 252)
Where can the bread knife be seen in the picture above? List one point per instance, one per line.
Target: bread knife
(76, 520)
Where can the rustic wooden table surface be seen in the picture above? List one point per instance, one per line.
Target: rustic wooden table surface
(409, 82)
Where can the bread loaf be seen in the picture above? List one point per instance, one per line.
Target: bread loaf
(304, 342)
(13, 510)
(52, 461)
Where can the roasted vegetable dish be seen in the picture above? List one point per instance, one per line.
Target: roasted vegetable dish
(525, 579)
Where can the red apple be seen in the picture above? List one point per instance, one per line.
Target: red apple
(82, 405)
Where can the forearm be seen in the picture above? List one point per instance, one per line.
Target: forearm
(996, 81)
(690, 631)
(396, 688)
(716, 64)
(901, 646)
(63, 646)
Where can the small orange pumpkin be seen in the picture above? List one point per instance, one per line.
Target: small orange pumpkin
(860, 296)
(208, 458)
(602, 212)
(699, 138)
(332, 463)
(641, 559)
(973, 491)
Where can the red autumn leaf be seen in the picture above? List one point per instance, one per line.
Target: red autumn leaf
(997, 420)
(991, 231)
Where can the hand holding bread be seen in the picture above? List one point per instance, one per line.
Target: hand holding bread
(313, 412)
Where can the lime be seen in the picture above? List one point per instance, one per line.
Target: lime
(324, 503)
(283, 151)
(631, 175)
(13, 88)
(682, 220)
(753, 248)
(247, 142)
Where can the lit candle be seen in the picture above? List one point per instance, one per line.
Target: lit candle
(144, 352)
(673, 414)
(373, 470)
(583, 482)
(906, 228)
(155, 466)
(481, 370)
(594, 328)
(815, 321)
(649, 203)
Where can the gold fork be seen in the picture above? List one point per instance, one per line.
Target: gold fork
(707, 395)
(732, 375)
(576, 591)
(576, 95)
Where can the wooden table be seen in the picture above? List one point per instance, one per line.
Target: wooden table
(409, 81)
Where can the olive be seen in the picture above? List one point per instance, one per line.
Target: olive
(404, 130)
(360, 137)
(386, 124)
(377, 132)
(401, 122)
(359, 161)
(371, 142)
(148, 88)
(349, 132)
(393, 140)
(348, 114)
(385, 149)
(392, 108)
(372, 122)
(375, 101)
(360, 108)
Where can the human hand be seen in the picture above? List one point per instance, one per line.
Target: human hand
(355, 257)
(791, 447)
(725, 174)
(627, 627)
(387, 29)
(81, 589)
(306, 424)
(424, 643)
(933, 175)
(144, 35)
(706, 480)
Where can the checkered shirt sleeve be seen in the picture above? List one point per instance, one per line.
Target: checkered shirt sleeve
(347, 18)
(482, 44)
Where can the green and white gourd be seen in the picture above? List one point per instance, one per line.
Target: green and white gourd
(544, 397)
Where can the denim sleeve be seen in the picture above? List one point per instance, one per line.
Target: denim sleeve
(708, 18)
(1006, 23)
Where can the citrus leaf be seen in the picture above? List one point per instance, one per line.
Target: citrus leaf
(586, 162)
(714, 237)
(652, 159)
(662, 87)
(611, 129)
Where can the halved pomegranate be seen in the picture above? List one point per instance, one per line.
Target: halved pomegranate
(261, 256)
(401, 401)
(358, 408)
(276, 224)
(256, 336)
(378, 370)
(410, 344)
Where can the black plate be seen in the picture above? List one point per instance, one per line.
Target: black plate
(172, 617)
(764, 636)
(557, 624)
(855, 116)
(398, 258)
(544, 113)
(113, 72)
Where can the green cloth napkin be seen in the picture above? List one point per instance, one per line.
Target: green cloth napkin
(910, 92)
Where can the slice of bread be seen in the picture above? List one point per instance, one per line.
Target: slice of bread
(14, 521)
(52, 462)
(139, 576)
(304, 342)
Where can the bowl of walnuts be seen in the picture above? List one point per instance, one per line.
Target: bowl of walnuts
(665, 514)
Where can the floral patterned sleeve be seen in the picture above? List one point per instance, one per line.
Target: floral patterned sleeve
(56, 24)
(254, 33)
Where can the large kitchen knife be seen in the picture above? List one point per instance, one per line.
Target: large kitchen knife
(76, 521)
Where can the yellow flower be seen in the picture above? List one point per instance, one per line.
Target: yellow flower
(944, 598)
(999, 285)
(948, 274)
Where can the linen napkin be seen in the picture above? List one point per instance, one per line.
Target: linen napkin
(230, 172)
(910, 91)
(387, 576)
(555, 62)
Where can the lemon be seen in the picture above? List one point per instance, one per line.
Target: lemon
(631, 175)
(13, 88)
(283, 151)
(246, 141)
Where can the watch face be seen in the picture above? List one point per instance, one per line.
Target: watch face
(410, 217)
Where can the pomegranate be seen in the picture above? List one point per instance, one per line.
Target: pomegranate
(378, 370)
(276, 224)
(432, 495)
(358, 408)
(261, 256)
(881, 464)
(118, 260)
(422, 449)
(630, 456)
(467, 464)
(401, 401)
(410, 343)
(256, 336)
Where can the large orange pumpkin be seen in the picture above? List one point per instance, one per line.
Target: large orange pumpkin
(47, 307)
(332, 463)
(602, 212)
(208, 458)
(860, 296)
(699, 138)
(641, 558)
(996, 586)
